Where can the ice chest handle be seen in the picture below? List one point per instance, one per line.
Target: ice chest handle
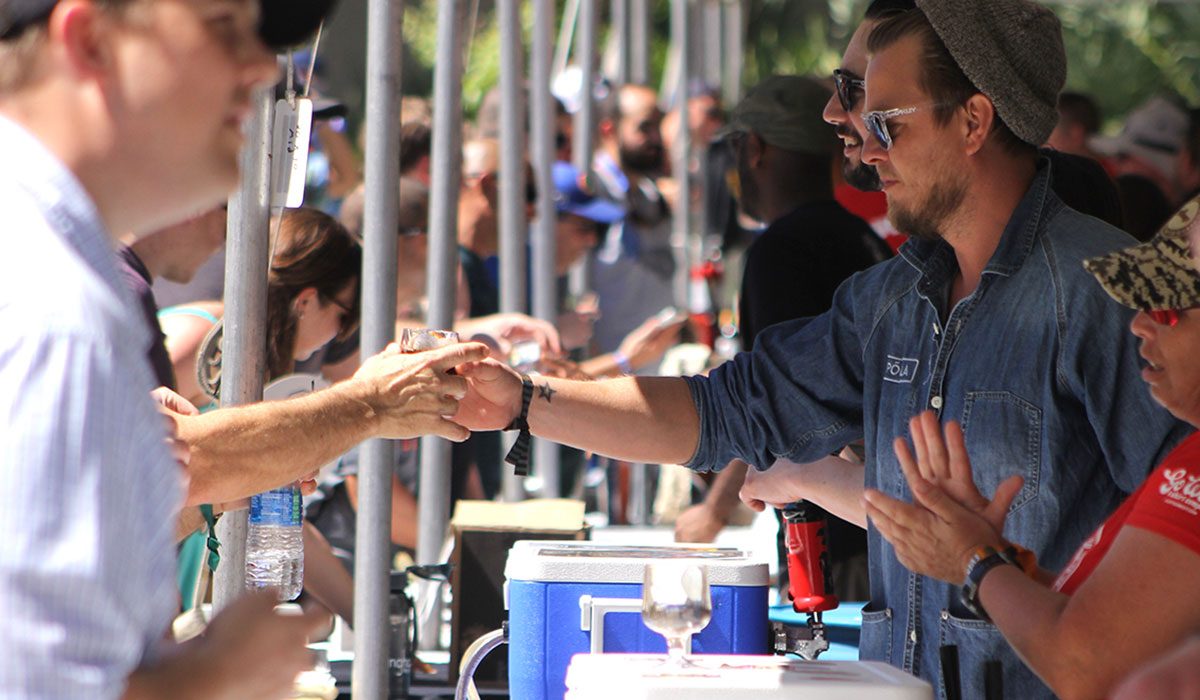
(592, 612)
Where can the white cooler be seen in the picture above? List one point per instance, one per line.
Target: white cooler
(726, 677)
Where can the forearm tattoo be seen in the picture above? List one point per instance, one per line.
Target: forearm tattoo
(545, 392)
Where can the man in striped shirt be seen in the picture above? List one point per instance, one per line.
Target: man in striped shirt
(115, 115)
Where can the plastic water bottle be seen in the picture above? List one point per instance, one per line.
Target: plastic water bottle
(274, 546)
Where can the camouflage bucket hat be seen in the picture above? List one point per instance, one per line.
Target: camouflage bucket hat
(1157, 274)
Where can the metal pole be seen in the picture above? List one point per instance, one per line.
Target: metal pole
(639, 42)
(585, 118)
(545, 278)
(619, 27)
(735, 35)
(583, 143)
(710, 49)
(434, 509)
(681, 230)
(245, 335)
(514, 236)
(566, 33)
(372, 542)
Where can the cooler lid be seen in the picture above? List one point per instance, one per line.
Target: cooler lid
(577, 562)
(724, 677)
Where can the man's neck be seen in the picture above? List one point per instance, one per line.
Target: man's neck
(150, 252)
(975, 230)
(777, 204)
(476, 230)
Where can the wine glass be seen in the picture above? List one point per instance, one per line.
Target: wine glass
(422, 339)
(676, 603)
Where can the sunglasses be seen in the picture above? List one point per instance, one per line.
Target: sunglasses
(876, 122)
(349, 316)
(1166, 317)
(848, 88)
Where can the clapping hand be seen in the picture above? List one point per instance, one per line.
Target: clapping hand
(937, 534)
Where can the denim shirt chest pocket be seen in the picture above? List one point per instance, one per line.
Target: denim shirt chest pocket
(1003, 435)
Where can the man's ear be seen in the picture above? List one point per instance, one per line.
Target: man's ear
(755, 149)
(85, 35)
(607, 128)
(490, 186)
(978, 120)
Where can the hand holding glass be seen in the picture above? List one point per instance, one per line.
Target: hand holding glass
(676, 603)
(422, 339)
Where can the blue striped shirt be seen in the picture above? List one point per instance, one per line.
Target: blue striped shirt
(88, 490)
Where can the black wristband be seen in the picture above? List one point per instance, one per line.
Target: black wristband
(518, 456)
(985, 559)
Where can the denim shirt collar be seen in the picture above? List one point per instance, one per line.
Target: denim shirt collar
(936, 262)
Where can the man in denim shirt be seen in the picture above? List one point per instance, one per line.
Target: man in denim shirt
(987, 317)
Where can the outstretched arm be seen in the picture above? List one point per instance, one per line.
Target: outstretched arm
(640, 419)
(239, 451)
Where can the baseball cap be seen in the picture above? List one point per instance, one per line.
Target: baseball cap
(1157, 274)
(785, 111)
(1154, 132)
(571, 197)
(284, 23)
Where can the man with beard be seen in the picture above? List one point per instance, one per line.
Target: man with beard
(783, 152)
(987, 317)
(634, 264)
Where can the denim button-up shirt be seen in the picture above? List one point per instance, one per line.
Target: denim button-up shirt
(1039, 367)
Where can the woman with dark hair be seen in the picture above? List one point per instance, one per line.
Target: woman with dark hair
(312, 298)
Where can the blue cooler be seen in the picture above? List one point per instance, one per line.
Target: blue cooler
(566, 598)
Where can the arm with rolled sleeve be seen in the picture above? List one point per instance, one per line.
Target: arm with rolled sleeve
(797, 396)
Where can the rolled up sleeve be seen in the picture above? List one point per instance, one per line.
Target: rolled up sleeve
(797, 395)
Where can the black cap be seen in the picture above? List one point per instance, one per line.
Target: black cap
(285, 23)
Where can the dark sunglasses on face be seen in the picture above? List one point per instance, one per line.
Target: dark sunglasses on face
(849, 88)
(348, 318)
(531, 192)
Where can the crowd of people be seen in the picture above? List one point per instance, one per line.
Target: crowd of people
(946, 321)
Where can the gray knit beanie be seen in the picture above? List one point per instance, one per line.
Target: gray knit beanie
(1012, 51)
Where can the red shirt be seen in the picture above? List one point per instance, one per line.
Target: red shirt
(1167, 503)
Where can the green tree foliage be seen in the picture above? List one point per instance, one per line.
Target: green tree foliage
(1119, 51)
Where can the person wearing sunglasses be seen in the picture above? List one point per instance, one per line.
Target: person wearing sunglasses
(845, 104)
(783, 152)
(1110, 589)
(987, 317)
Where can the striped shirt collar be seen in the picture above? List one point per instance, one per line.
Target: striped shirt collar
(67, 206)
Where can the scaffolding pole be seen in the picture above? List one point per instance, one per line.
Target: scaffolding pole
(373, 541)
(514, 236)
(446, 170)
(545, 278)
(244, 345)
